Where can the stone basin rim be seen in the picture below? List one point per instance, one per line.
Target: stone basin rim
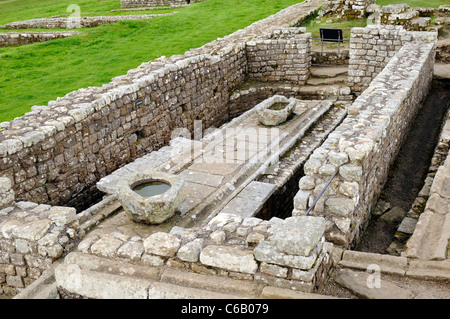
(150, 180)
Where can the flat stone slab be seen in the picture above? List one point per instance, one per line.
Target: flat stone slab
(244, 207)
(299, 235)
(250, 200)
(328, 72)
(229, 258)
(366, 285)
(361, 260)
(407, 225)
(267, 252)
(201, 178)
(429, 270)
(430, 238)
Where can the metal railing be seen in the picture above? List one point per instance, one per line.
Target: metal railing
(321, 192)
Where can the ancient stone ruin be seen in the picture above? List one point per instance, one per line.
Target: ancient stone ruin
(245, 212)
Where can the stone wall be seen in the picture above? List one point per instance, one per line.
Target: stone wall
(372, 47)
(153, 3)
(363, 147)
(350, 9)
(32, 237)
(56, 153)
(75, 22)
(250, 249)
(414, 19)
(285, 56)
(16, 39)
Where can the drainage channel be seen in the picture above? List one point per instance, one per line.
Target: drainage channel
(286, 178)
(407, 175)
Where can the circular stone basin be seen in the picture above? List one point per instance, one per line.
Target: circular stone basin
(151, 197)
(148, 188)
(275, 110)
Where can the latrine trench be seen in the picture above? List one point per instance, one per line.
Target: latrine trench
(404, 194)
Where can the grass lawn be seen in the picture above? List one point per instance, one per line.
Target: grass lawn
(37, 73)
(415, 3)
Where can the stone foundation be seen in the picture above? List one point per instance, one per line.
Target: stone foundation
(350, 9)
(362, 148)
(153, 3)
(16, 39)
(75, 22)
(247, 249)
(32, 237)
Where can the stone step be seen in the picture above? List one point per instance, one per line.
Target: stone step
(362, 261)
(328, 71)
(370, 286)
(210, 282)
(429, 270)
(325, 90)
(339, 79)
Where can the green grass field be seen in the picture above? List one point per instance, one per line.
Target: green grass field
(415, 3)
(37, 73)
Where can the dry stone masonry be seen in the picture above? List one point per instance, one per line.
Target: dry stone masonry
(362, 147)
(154, 3)
(350, 9)
(414, 19)
(32, 237)
(372, 47)
(283, 57)
(249, 249)
(77, 22)
(22, 38)
(55, 155)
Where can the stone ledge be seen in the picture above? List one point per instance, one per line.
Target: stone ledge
(364, 286)
(208, 282)
(270, 292)
(362, 261)
(429, 270)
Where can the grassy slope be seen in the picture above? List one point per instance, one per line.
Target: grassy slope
(34, 74)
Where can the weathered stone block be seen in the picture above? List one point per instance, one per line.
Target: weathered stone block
(162, 244)
(229, 258)
(298, 235)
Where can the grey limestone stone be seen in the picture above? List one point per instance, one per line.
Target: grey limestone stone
(162, 244)
(299, 235)
(229, 258)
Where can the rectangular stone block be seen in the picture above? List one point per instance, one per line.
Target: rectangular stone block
(229, 258)
(361, 260)
(266, 252)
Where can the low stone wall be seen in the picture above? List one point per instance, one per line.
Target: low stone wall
(330, 58)
(285, 56)
(153, 3)
(350, 9)
(32, 237)
(250, 249)
(372, 47)
(16, 39)
(414, 19)
(76, 22)
(363, 147)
